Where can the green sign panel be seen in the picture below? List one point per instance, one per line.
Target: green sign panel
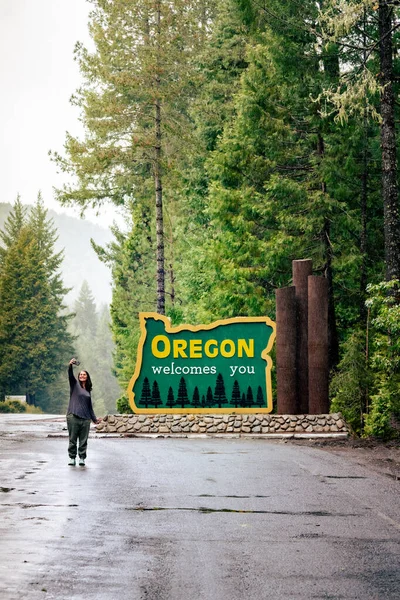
(223, 367)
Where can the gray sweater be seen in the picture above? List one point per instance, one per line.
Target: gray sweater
(80, 402)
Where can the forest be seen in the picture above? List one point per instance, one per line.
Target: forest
(239, 135)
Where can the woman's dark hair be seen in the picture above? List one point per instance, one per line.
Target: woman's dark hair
(88, 382)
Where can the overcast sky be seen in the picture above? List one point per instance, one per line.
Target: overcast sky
(38, 77)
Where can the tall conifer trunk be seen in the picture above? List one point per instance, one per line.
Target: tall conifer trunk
(158, 182)
(364, 193)
(388, 144)
(159, 216)
(332, 70)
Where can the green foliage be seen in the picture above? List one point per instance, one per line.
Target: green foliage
(384, 418)
(34, 341)
(94, 348)
(256, 172)
(123, 406)
(352, 381)
(14, 406)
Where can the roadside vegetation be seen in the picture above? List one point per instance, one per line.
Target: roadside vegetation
(239, 135)
(14, 406)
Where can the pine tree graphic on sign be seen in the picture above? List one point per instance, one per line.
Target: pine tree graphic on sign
(249, 397)
(260, 396)
(146, 393)
(155, 395)
(219, 394)
(170, 398)
(235, 400)
(209, 397)
(196, 398)
(182, 393)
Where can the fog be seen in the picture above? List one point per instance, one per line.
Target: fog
(39, 75)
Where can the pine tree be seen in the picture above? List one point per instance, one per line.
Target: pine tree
(219, 394)
(249, 397)
(12, 227)
(34, 341)
(182, 398)
(196, 398)
(134, 105)
(367, 28)
(155, 395)
(106, 387)
(85, 321)
(209, 397)
(130, 257)
(236, 396)
(170, 398)
(260, 396)
(145, 398)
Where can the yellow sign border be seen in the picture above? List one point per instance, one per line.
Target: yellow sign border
(194, 328)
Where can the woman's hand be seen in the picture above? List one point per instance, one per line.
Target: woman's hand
(99, 420)
(72, 361)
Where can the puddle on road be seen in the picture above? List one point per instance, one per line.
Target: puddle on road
(22, 505)
(227, 496)
(344, 477)
(207, 510)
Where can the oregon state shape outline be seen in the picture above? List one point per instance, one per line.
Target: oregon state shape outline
(169, 329)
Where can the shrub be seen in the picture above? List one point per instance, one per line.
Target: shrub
(384, 304)
(20, 407)
(123, 406)
(350, 384)
(12, 406)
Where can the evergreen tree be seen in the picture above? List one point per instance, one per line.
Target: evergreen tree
(170, 398)
(85, 320)
(182, 393)
(107, 389)
(203, 401)
(219, 394)
(145, 398)
(209, 397)
(12, 227)
(236, 396)
(249, 397)
(133, 102)
(220, 65)
(34, 341)
(46, 237)
(155, 395)
(260, 397)
(196, 398)
(361, 29)
(130, 258)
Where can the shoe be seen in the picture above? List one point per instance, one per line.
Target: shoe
(71, 462)
(81, 462)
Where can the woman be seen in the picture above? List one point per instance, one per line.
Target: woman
(79, 414)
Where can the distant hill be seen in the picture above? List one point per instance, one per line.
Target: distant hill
(80, 260)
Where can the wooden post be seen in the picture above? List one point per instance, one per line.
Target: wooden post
(286, 350)
(318, 360)
(301, 270)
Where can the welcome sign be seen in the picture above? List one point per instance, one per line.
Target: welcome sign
(223, 367)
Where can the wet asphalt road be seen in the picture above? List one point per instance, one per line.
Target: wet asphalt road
(191, 519)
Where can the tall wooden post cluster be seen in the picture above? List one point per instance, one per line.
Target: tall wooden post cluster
(302, 343)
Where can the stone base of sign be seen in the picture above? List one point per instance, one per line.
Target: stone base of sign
(253, 424)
